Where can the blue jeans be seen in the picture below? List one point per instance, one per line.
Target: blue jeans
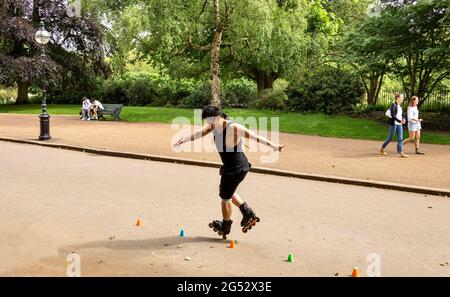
(392, 130)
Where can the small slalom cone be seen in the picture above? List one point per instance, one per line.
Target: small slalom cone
(232, 244)
(355, 272)
(138, 223)
(182, 233)
(290, 258)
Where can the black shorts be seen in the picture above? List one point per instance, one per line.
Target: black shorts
(229, 184)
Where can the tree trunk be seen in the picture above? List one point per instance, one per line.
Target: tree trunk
(215, 69)
(264, 82)
(373, 84)
(421, 91)
(374, 88)
(377, 93)
(215, 58)
(22, 93)
(35, 16)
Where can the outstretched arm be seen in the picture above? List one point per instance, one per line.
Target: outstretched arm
(248, 134)
(194, 136)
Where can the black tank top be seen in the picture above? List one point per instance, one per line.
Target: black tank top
(233, 159)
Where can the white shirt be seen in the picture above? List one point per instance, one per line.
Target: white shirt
(413, 113)
(399, 114)
(98, 104)
(86, 104)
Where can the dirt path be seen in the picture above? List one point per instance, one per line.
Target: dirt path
(306, 154)
(55, 202)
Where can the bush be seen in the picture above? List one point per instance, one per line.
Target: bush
(59, 96)
(329, 90)
(361, 109)
(174, 91)
(113, 91)
(7, 95)
(199, 98)
(69, 89)
(239, 93)
(234, 93)
(141, 92)
(145, 89)
(271, 100)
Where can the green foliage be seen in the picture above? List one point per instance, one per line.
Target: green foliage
(261, 38)
(320, 20)
(72, 91)
(271, 100)
(199, 98)
(141, 92)
(413, 37)
(329, 90)
(142, 89)
(75, 52)
(236, 93)
(239, 93)
(7, 95)
(113, 90)
(271, 39)
(64, 97)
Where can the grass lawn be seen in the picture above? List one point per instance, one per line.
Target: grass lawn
(297, 123)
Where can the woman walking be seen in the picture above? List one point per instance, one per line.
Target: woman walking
(396, 123)
(414, 124)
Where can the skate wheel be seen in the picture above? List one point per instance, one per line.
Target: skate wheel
(244, 230)
(254, 223)
(210, 225)
(257, 219)
(250, 228)
(224, 237)
(215, 230)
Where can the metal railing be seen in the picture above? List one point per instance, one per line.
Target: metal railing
(437, 101)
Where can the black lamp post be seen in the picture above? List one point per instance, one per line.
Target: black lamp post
(43, 37)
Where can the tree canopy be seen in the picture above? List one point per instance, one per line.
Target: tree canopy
(261, 41)
(76, 47)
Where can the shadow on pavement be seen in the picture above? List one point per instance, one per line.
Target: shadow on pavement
(140, 244)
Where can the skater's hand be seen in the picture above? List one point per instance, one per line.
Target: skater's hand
(180, 142)
(420, 120)
(279, 147)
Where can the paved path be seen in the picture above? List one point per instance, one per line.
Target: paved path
(54, 202)
(305, 154)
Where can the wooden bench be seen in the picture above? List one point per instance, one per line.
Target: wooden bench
(113, 110)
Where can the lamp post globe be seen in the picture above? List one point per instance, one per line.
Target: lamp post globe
(42, 37)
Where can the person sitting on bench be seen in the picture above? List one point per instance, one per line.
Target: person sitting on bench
(96, 107)
(86, 110)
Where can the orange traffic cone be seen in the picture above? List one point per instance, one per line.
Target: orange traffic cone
(232, 244)
(138, 223)
(355, 272)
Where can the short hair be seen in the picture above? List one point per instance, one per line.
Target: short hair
(212, 111)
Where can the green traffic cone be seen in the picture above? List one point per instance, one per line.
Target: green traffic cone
(290, 258)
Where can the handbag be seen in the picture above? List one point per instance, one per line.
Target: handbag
(388, 113)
